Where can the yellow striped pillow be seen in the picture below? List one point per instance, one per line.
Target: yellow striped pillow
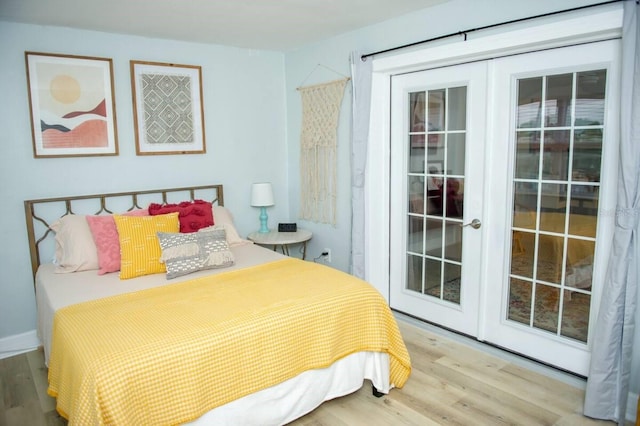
(139, 246)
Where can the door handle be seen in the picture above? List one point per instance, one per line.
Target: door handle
(475, 224)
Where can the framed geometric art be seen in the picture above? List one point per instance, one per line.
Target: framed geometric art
(167, 108)
(71, 101)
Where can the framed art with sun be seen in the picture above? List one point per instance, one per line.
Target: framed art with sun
(72, 104)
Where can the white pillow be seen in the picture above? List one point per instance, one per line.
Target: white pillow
(222, 218)
(75, 248)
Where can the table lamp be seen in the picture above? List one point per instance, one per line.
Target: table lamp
(262, 196)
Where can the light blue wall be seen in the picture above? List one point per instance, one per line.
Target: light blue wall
(446, 18)
(244, 109)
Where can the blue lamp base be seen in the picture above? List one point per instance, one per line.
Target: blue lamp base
(263, 220)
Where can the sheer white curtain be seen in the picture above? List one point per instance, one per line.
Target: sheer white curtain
(361, 103)
(608, 383)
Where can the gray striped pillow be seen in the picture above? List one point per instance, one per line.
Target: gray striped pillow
(184, 253)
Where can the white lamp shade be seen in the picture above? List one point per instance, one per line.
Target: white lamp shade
(262, 194)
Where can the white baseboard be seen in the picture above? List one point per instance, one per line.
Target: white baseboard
(18, 344)
(632, 407)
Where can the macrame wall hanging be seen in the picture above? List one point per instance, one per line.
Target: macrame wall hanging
(318, 142)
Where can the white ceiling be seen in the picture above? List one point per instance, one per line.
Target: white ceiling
(280, 25)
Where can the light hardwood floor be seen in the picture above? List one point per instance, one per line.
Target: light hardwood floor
(452, 383)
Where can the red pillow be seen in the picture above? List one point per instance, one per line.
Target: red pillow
(192, 215)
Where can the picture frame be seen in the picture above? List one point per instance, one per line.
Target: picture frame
(71, 105)
(168, 108)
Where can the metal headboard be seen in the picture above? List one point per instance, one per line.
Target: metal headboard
(41, 213)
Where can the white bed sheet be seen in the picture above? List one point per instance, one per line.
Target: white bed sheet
(278, 404)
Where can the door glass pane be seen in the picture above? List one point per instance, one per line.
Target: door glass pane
(451, 287)
(529, 102)
(553, 198)
(520, 297)
(414, 273)
(416, 153)
(454, 197)
(527, 154)
(433, 240)
(545, 311)
(556, 183)
(432, 279)
(453, 241)
(415, 239)
(583, 217)
(416, 194)
(435, 150)
(435, 181)
(522, 260)
(457, 119)
(417, 112)
(557, 107)
(575, 315)
(549, 265)
(587, 155)
(579, 269)
(456, 148)
(436, 110)
(590, 88)
(555, 163)
(435, 185)
(525, 201)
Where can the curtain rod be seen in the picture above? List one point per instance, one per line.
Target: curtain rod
(465, 32)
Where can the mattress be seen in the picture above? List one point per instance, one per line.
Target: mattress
(276, 405)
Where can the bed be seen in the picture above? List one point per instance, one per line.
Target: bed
(262, 339)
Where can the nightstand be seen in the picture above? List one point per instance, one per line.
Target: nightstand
(282, 239)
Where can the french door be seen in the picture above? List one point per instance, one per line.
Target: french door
(437, 184)
(502, 176)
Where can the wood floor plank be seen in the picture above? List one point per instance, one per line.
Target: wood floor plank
(434, 411)
(40, 380)
(572, 396)
(320, 417)
(537, 393)
(52, 418)
(474, 391)
(425, 387)
(493, 405)
(27, 413)
(3, 418)
(505, 408)
(580, 420)
(18, 383)
(366, 406)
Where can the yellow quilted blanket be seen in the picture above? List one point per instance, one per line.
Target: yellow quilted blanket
(169, 354)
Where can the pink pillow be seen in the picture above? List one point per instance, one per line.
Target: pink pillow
(105, 235)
